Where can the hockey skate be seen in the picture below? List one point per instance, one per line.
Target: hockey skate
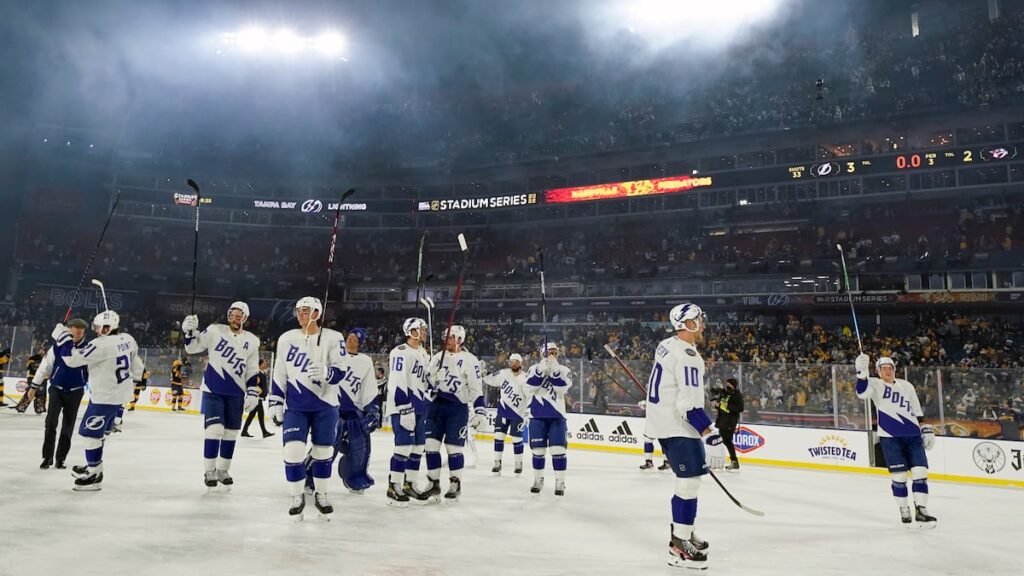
(664, 465)
(80, 471)
(647, 465)
(210, 479)
(925, 521)
(433, 492)
(497, 468)
(732, 466)
(323, 506)
(518, 469)
(298, 505)
(414, 495)
(396, 497)
(89, 483)
(684, 554)
(905, 516)
(225, 479)
(538, 485)
(559, 487)
(699, 544)
(454, 491)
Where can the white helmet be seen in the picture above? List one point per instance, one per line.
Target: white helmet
(683, 312)
(885, 361)
(243, 307)
(457, 332)
(547, 348)
(312, 303)
(411, 324)
(106, 318)
(515, 358)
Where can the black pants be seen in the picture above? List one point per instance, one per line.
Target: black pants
(727, 427)
(62, 405)
(257, 412)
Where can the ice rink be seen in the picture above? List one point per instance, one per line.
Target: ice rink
(154, 516)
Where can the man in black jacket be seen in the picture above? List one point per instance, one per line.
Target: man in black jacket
(67, 387)
(730, 406)
(262, 385)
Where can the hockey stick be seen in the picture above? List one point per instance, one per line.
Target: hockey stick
(103, 293)
(610, 351)
(330, 262)
(428, 303)
(419, 270)
(543, 302)
(710, 471)
(195, 240)
(849, 294)
(590, 359)
(455, 301)
(88, 265)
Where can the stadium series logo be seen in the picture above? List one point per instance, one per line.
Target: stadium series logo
(833, 448)
(989, 457)
(746, 440)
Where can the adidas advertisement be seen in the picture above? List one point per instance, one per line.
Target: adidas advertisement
(605, 430)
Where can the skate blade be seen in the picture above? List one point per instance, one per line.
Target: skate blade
(324, 517)
(924, 526)
(88, 488)
(451, 501)
(397, 504)
(677, 562)
(224, 488)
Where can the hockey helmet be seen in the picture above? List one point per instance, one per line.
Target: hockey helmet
(312, 303)
(107, 318)
(683, 312)
(457, 332)
(241, 307)
(411, 324)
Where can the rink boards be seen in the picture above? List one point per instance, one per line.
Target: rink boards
(971, 460)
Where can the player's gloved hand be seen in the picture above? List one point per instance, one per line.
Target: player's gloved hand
(315, 372)
(190, 325)
(275, 407)
(371, 418)
(642, 404)
(715, 457)
(60, 334)
(407, 420)
(862, 363)
(252, 400)
(35, 385)
(928, 436)
(478, 419)
(713, 438)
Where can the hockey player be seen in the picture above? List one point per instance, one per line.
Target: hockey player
(67, 386)
(456, 387)
(406, 406)
(5, 363)
(358, 417)
(903, 438)
(676, 417)
(306, 377)
(230, 386)
(177, 389)
(112, 360)
(546, 385)
(512, 410)
(649, 447)
(34, 395)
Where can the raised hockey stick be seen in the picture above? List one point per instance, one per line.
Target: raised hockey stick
(590, 359)
(711, 472)
(608, 348)
(455, 301)
(330, 262)
(195, 240)
(88, 265)
(103, 293)
(846, 276)
(428, 303)
(543, 302)
(419, 270)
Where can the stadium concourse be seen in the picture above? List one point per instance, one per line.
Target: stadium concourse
(151, 519)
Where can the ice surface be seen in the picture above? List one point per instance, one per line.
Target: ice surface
(154, 516)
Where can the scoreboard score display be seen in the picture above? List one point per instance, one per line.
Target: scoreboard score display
(908, 161)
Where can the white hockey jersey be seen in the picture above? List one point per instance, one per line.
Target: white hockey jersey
(459, 379)
(113, 363)
(897, 403)
(675, 387)
(234, 359)
(291, 382)
(513, 400)
(545, 390)
(407, 379)
(358, 389)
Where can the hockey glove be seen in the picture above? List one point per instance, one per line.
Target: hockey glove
(60, 335)
(927, 436)
(862, 363)
(371, 418)
(642, 404)
(276, 410)
(315, 372)
(190, 325)
(252, 400)
(713, 438)
(478, 419)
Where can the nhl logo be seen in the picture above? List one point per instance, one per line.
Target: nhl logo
(989, 457)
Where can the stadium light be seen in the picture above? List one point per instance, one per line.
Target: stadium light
(284, 41)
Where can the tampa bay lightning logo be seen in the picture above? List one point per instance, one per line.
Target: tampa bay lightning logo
(312, 206)
(95, 422)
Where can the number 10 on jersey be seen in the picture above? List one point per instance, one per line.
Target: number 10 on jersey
(690, 377)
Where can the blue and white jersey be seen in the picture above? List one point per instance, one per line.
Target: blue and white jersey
(358, 389)
(234, 359)
(513, 399)
(113, 363)
(61, 376)
(291, 383)
(407, 379)
(897, 403)
(674, 390)
(459, 379)
(546, 384)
